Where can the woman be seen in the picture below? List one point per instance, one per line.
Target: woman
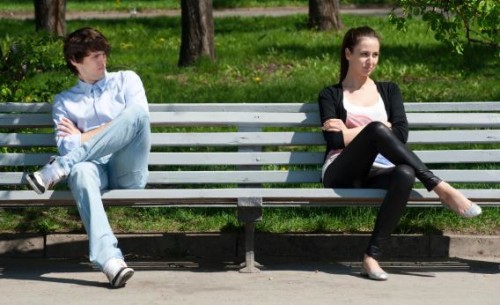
(365, 127)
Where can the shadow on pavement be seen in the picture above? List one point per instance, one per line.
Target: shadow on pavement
(57, 271)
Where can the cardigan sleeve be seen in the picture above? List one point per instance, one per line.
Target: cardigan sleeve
(396, 112)
(329, 101)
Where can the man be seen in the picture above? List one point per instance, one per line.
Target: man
(103, 137)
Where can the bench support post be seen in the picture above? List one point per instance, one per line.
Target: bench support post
(249, 212)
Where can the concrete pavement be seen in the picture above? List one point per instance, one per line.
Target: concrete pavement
(54, 282)
(297, 269)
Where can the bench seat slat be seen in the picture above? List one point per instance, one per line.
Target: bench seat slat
(229, 196)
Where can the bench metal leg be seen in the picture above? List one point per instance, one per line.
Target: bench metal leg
(250, 264)
(250, 211)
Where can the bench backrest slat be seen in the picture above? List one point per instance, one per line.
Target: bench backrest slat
(262, 119)
(473, 106)
(264, 158)
(234, 178)
(264, 138)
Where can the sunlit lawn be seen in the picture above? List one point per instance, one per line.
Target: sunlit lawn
(265, 60)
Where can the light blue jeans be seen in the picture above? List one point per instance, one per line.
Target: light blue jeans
(128, 139)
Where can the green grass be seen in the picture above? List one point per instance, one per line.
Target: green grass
(275, 220)
(276, 59)
(260, 60)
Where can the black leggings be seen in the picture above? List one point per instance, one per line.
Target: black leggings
(353, 169)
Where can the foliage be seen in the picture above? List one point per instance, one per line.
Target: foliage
(28, 57)
(455, 21)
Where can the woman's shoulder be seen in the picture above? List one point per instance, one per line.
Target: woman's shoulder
(386, 84)
(387, 89)
(331, 90)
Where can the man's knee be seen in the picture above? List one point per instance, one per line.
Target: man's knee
(132, 180)
(82, 174)
(134, 112)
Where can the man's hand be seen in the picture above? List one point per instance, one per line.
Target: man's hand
(66, 127)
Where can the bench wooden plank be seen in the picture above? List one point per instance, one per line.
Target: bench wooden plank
(486, 106)
(27, 140)
(237, 139)
(454, 136)
(260, 119)
(228, 197)
(183, 139)
(263, 158)
(477, 106)
(271, 176)
(25, 120)
(459, 156)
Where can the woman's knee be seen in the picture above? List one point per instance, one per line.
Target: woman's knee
(377, 127)
(404, 174)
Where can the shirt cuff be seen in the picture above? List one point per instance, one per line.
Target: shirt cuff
(68, 143)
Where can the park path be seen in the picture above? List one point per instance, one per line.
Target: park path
(242, 12)
(62, 282)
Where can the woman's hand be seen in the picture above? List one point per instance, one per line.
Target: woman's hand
(334, 125)
(66, 127)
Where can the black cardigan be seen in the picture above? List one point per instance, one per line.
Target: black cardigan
(331, 107)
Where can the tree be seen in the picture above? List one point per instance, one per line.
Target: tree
(455, 22)
(197, 31)
(50, 15)
(324, 15)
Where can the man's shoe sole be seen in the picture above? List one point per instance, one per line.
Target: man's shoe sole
(122, 277)
(37, 187)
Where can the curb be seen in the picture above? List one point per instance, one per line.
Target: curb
(230, 246)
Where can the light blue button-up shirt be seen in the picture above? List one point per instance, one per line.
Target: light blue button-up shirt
(89, 106)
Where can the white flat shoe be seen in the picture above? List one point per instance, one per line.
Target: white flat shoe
(473, 211)
(376, 276)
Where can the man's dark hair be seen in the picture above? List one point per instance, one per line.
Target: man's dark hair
(81, 43)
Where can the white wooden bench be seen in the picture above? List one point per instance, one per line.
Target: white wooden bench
(252, 156)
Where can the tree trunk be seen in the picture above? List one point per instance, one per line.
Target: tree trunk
(197, 31)
(324, 15)
(50, 15)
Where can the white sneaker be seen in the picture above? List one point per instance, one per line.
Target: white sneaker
(47, 177)
(117, 271)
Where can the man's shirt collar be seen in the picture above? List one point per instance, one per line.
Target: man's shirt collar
(99, 85)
